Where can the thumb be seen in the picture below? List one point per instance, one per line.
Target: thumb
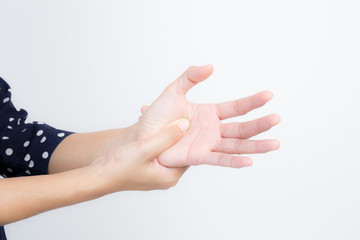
(165, 138)
(192, 76)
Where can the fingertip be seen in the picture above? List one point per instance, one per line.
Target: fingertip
(183, 124)
(267, 95)
(208, 67)
(143, 108)
(199, 73)
(248, 162)
(242, 162)
(275, 119)
(275, 144)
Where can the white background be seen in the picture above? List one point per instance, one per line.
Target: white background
(90, 65)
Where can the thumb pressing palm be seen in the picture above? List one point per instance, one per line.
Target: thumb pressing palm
(208, 141)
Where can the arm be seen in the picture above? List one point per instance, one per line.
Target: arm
(130, 167)
(23, 197)
(80, 149)
(209, 141)
(65, 150)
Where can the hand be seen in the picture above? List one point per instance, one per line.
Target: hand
(208, 141)
(134, 166)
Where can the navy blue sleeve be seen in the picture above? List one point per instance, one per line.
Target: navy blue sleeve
(25, 148)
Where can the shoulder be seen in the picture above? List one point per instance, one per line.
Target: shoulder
(4, 91)
(4, 86)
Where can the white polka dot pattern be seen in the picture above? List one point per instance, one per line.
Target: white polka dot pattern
(45, 155)
(27, 157)
(9, 151)
(25, 147)
(31, 164)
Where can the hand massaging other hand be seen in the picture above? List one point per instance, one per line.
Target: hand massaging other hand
(208, 141)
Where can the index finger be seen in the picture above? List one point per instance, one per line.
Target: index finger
(243, 105)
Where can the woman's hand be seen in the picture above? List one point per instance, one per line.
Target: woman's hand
(208, 141)
(129, 167)
(134, 166)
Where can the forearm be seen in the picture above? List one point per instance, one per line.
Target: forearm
(133, 166)
(23, 197)
(80, 149)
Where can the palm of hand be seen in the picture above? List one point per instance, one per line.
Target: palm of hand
(199, 140)
(204, 142)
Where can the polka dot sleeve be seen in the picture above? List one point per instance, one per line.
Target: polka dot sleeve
(25, 148)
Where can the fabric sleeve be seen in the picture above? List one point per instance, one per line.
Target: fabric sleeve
(25, 148)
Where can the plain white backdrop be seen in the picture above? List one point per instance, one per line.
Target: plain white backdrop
(90, 65)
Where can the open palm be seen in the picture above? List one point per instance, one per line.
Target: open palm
(208, 141)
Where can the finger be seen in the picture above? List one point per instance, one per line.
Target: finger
(238, 146)
(227, 160)
(249, 129)
(242, 106)
(164, 139)
(143, 108)
(190, 78)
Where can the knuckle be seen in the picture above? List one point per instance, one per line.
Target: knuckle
(188, 70)
(221, 159)
(240, 129)
(223, 128)
(258, 125)
(221, 156)
(238, 146)
(237, 106)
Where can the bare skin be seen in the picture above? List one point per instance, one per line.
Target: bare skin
(151, 154)
(208, 141)
(128, 167)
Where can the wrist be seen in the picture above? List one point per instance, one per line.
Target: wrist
(109, 140)
(131, 134)
(95, 184)
(109, 178)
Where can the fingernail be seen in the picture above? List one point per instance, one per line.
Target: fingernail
(184, 124)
